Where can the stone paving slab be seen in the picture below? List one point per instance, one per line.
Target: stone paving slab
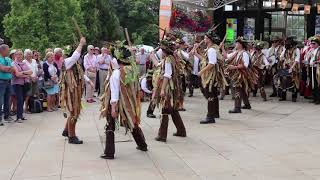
(273, 141)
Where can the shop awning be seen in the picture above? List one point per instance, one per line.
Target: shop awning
(203, 4)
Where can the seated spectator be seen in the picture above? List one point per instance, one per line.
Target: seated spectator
(21, 83)
(146, 86)
(51, 79)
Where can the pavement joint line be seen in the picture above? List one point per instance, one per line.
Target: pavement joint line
(15, 169)
(183, 160)
(101, 142)
(62, 162)
(159, 170)
(230, 160)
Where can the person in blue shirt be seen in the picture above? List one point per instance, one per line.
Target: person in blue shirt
(5, 82)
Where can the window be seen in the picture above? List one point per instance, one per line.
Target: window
(296, 26)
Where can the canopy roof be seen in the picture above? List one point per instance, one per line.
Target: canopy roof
(203, 4)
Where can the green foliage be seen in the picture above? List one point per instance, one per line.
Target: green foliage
(140, 17)
(4, 9)
(100, 20)
(39, 24)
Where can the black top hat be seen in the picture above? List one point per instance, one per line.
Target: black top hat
(315, 39)
(212, 35)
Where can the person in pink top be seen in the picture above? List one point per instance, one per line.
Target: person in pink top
(20, 82)
(90, 66)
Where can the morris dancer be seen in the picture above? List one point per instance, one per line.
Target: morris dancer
(121, 101)
(260, 63)
(212, 75)
(71, 91)
(273, 57)
(168, 92)
(289, 72)
(242, 76)
(315, 69)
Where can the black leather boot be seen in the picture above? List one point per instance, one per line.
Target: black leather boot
(110, 146)
(235, 110)
(65, 133)
(208, 120)
(283, 96)
(75, 140)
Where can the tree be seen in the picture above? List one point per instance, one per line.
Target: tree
(140, 17)
(100, 20)
(4, 9)
(39, 24)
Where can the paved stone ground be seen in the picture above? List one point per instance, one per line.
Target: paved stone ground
(274, 141)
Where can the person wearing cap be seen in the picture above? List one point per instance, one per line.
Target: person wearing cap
(146, 85)
(260, 63)
(273, 57)
(212, 75)
(71, 91)
(289, 69)
(184, 67)
(168, 92)
(121, 102)
(5, 82)
(242, 77)
(315, 68)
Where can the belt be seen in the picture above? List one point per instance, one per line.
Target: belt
(104, 69)
(141, 64)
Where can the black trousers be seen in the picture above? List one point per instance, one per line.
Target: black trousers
(194, 82)
(211, 94)
(137, 134)
(315, 89)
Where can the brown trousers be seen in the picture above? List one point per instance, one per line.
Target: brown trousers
(71, 127)
(177, 121)
(241, 95)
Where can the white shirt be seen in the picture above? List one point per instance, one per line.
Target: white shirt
(245, 57)
(159, 54)
(212, 56)
(115, 86)
(69, 62)
(105, 59)
(33, 66)
(313, 56)
(143, 85)
(142, 59)
(167, 70)
(296, 52)
(89, 61)
(184, 55)
(196, 62)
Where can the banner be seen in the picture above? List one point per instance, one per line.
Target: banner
(164, 16)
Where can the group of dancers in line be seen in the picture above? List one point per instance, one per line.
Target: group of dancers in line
(206, 64)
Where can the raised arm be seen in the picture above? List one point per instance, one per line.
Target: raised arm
(69, 62)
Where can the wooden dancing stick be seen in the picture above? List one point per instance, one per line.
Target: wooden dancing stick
(222, 42)
(77, 27)
(127, 36)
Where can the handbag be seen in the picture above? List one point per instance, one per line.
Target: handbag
(48, 84)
